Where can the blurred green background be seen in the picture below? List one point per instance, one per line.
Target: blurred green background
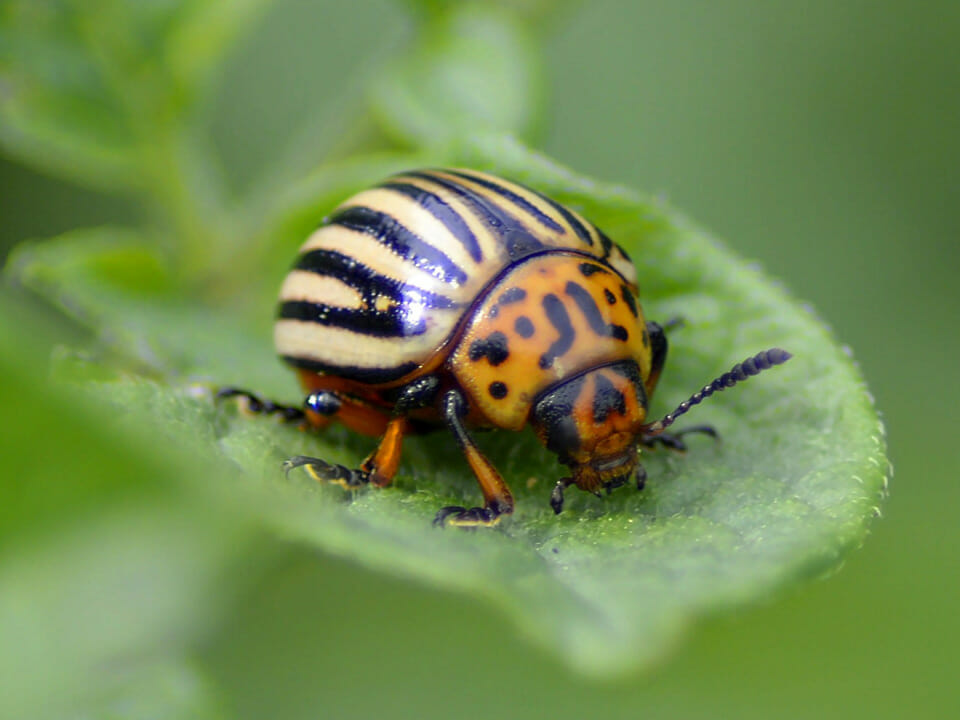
(821, 139)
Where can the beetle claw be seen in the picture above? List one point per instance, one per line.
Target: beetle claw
(460, 516)
(674, 441)
(322, 471)
(556, 497)
(641, 474)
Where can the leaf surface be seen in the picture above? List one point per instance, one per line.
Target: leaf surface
(612, 582)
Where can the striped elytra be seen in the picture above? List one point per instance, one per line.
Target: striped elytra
(384, 282)
(450, 298)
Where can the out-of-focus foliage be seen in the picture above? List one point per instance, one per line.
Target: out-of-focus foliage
(476, 69)
(103, 91)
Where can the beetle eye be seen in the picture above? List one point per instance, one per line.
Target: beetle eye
(323, 403)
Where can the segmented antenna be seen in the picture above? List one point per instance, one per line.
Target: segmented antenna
(738, 373)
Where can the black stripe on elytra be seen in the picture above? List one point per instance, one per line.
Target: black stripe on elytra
(606, 242)
(450, 218)
(515, 237)
(391, 233)
(350, 372)
(606, 398)
(369, 283)
(392, 323)
(578, 227)
(504, 192)
(558, 317)
(588, 307)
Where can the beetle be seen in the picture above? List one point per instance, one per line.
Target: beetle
(453, 298)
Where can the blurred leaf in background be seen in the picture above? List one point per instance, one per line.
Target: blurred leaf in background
(130, 496)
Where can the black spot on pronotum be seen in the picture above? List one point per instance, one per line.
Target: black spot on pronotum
(523, 326)
(558, 317)
(514, 294)
(588, 307)
(629, 299)
(494, 348)
(645, 338)
(498, 390)
(587, 269)
(611, 298)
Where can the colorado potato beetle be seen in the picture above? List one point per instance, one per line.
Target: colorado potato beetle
(453, 298)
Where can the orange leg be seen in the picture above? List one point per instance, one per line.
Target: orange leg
(383, 462)
(498, 500)
(381, 466)
(378, 469)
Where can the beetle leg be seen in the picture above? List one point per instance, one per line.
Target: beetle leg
(641, 476)
(420, 393)
(674, 441)
(556, 497)
(498, 500)
(383, 462)
(259, 406)
(322, 471)
(381, 465)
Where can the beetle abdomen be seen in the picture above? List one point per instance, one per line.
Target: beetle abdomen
(381, 286)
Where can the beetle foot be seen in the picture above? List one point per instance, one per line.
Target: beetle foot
(322, 471)
(467, 518)
(556, 497)
(641, 477)
(256, 405)
(674, 441)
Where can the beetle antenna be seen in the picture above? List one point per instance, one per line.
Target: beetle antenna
(738, 373)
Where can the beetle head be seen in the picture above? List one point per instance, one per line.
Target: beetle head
(592, 421)
(595, 421)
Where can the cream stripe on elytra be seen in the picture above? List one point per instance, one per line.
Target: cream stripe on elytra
(310, 287)
(345, 348)
(489, 241)
(528, 196)
(417, 220)
(367, 251)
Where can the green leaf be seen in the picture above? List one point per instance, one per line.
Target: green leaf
(612, 583)
(111, 568)
(528, 9)
(474, 69)
(90, 89)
